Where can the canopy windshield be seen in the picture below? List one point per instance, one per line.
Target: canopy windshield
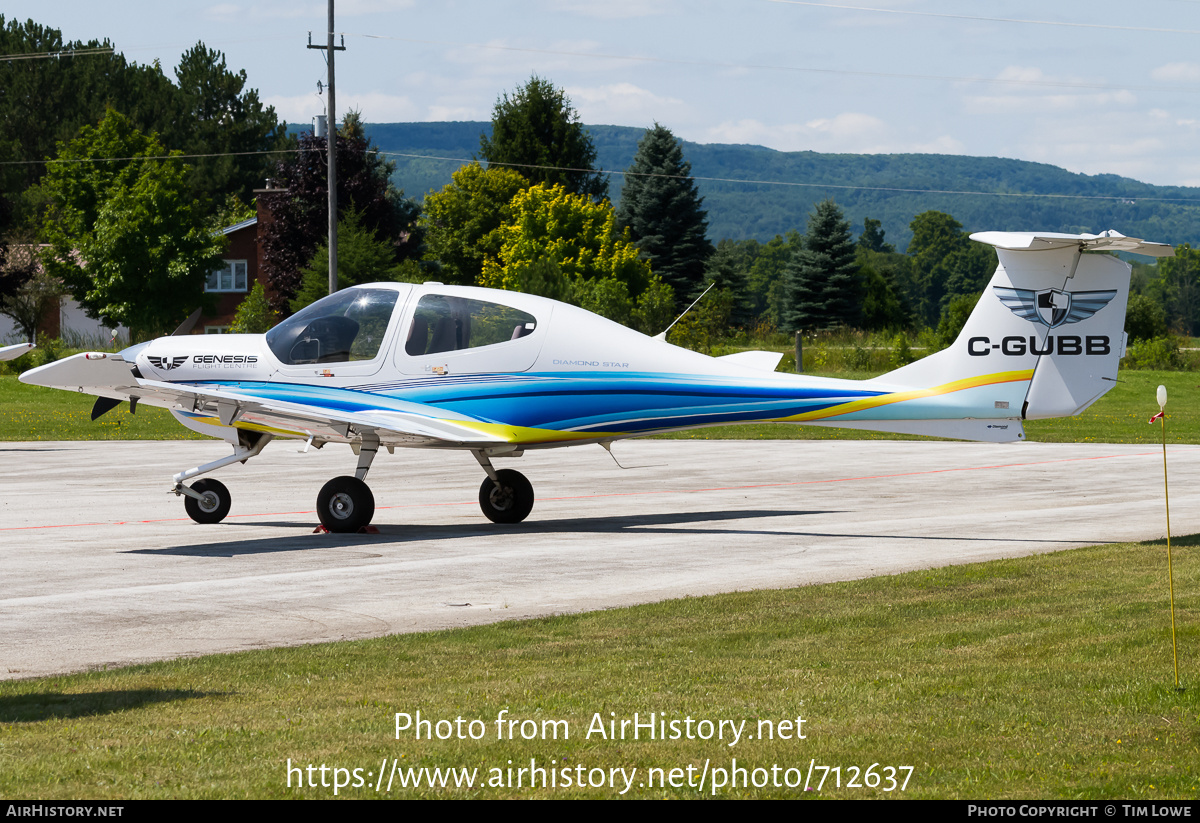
(346, 326)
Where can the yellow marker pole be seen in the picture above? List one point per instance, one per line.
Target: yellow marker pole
(1162, 416)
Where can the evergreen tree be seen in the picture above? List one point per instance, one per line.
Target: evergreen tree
(538, 133)
(823, 277)
(662, 210)
(222, 117)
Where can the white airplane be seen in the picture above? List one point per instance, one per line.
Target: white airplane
(498, 373)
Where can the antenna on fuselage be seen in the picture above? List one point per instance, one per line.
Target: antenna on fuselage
(662, 335)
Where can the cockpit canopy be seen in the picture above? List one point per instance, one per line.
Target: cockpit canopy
(346, 326)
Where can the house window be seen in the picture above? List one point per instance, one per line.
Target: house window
(216, 330)
(230, 278)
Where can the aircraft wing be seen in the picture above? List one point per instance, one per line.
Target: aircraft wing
(13, 352)
(395, 422)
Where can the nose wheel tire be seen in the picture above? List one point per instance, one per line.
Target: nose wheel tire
(345, 504)
(214, 504)
(510, 500)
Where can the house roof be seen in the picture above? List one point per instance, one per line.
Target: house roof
(245, 224)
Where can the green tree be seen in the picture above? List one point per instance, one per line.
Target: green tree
(1177, 288)
(362, 258)
(538, 132)
(462, 221)
(945, 264)
(299, 209)
(663, 211)
(767, 281)
(209, 112)
(220, 116)
(566, 247)
(126, 238)
(882, 307)
(954, 317)
(725, 272)
(822, 278)
(871, 238)
(254, 315)
(577, 234)
(1145, 318)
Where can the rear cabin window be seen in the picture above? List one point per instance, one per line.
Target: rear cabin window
(442, 324)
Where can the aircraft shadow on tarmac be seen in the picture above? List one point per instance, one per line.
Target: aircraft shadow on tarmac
(401, 533)
(681, 523)
(31, 708)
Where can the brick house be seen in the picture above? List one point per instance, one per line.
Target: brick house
(241, 270)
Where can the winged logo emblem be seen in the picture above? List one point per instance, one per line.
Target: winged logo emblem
(1054, 307)
(167, 363)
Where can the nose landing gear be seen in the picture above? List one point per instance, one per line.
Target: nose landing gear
(212, 503)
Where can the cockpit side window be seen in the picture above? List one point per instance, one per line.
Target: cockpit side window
(343, 327)
(442, 323)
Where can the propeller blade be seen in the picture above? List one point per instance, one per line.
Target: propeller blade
(103, 406)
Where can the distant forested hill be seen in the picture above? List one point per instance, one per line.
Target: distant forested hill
(864, 185)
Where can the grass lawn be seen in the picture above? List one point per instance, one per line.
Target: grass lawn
(36, 413)
(1041, 677)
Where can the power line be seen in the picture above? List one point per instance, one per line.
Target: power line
(987, 19)
(46, 55)
(737, 180)
(893, 189)
(803, 69)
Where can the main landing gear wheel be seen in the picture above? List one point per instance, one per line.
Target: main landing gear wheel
(214, 504)
(510, 500)
(345, 504)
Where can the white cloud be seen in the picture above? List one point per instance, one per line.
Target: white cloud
(1177, 73)
(616, 9)
(1040, 95)
(436, 113)
(223, 12)
(352, 8)
(848, 126)
(939, 145)
(624, 104)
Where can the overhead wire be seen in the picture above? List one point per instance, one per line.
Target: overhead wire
(48, 55)
(704, 178)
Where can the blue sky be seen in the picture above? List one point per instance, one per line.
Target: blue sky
(1095, 87)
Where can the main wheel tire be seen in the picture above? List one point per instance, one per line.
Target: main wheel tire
(345, 504)
(510, 500)
(214, 506)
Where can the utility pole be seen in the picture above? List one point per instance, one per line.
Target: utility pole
(331, 148)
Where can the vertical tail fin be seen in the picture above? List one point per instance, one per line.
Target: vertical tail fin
(1047, 333)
